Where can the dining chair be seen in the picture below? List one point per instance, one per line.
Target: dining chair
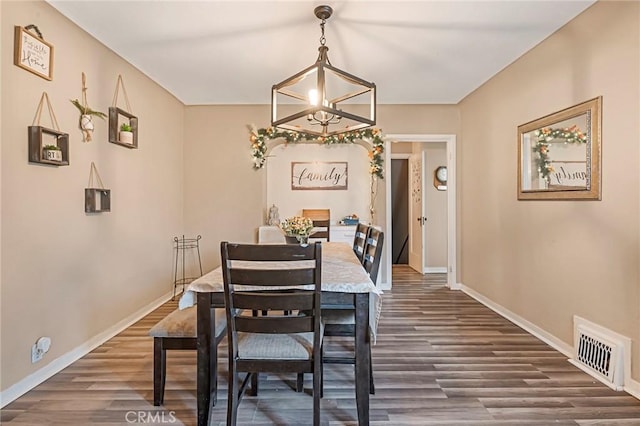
(321, 219)
(343, 322)
(373, 253)
(275, 278)
(177, 331)
(359, 240)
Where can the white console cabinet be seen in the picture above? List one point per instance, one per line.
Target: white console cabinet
(342, 233)
(338, 233)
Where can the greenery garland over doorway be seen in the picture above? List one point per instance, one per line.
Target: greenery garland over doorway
(260, 137)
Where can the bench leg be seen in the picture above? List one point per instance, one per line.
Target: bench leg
(159, 371)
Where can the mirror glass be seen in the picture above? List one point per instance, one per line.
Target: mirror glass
(559, 154)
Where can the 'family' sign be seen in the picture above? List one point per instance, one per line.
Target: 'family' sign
(319, 175)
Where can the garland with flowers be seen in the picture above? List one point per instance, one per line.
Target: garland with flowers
(260, 137)
(544, 138)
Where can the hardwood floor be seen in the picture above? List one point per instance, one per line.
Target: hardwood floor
(441, 359)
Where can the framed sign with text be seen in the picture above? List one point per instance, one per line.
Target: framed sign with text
(319, 175)
(33, 53)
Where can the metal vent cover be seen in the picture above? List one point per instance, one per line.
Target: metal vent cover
(600, 352)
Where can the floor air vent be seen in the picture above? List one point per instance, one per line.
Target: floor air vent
(600, 352)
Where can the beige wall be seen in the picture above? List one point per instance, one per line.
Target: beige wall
(226, 199)
(549, 260)
(354, 199)
(67, 274)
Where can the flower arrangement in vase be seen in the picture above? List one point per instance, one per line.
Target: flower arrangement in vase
(298, 227)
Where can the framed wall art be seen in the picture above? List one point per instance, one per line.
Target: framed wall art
(559, 155)
(319, 175)
(32, 53)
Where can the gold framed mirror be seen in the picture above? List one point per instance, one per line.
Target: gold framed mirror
(559, 155)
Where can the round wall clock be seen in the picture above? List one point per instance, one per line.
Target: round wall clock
(440, 178)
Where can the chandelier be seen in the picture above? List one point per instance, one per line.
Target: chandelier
(323, 100)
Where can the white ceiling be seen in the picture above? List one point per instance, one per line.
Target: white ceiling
(232, 52)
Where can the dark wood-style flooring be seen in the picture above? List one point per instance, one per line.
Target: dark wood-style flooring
(441, 359)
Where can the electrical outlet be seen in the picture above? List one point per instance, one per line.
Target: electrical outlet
(36, 354)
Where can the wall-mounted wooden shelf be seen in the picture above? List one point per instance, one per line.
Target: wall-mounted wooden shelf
(115, 121)
(39, 137)
(97, 200)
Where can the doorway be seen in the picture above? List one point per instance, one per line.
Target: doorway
(449, 224)
(399, 209)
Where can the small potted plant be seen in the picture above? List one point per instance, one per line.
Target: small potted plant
(52, 153)
(297, 229)
(126, 133)
(86, 114)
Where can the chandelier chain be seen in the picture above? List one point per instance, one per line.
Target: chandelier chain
(323, 40)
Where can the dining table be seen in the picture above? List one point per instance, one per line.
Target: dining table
(345, 285)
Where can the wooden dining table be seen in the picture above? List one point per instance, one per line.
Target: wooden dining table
(345, 285)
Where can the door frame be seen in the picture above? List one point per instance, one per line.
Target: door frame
(450, 142)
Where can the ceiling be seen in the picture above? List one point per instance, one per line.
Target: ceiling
(232, 52)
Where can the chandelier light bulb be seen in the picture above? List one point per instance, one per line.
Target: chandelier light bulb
(313, 97)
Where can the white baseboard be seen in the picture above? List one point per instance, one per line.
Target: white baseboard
(632, 387)
(31, 381)
(435, 270)
(541, 334)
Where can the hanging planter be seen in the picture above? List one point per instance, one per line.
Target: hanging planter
(123, 125)
(125, 135)
(52, 153)
(47, 145)
(86, 113)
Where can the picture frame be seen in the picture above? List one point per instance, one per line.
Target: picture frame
(319, 175)
(559, 155)
(32, 53)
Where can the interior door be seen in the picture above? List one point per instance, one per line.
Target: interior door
(417, 207)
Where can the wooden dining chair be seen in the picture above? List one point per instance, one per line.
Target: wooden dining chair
(343, 322)
(359, 240)
(269, 277)
(321, 219)
(177, 331)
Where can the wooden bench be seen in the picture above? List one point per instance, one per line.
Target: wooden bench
(177, 331)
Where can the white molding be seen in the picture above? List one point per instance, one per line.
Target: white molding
(34, 379)
(538, 332)
(435, 270)
(450, 141)
(632, 387)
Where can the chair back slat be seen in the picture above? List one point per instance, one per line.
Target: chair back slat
(256, 252)
(276, 277)
(274, 324)
(360, 240)
(273, 300)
